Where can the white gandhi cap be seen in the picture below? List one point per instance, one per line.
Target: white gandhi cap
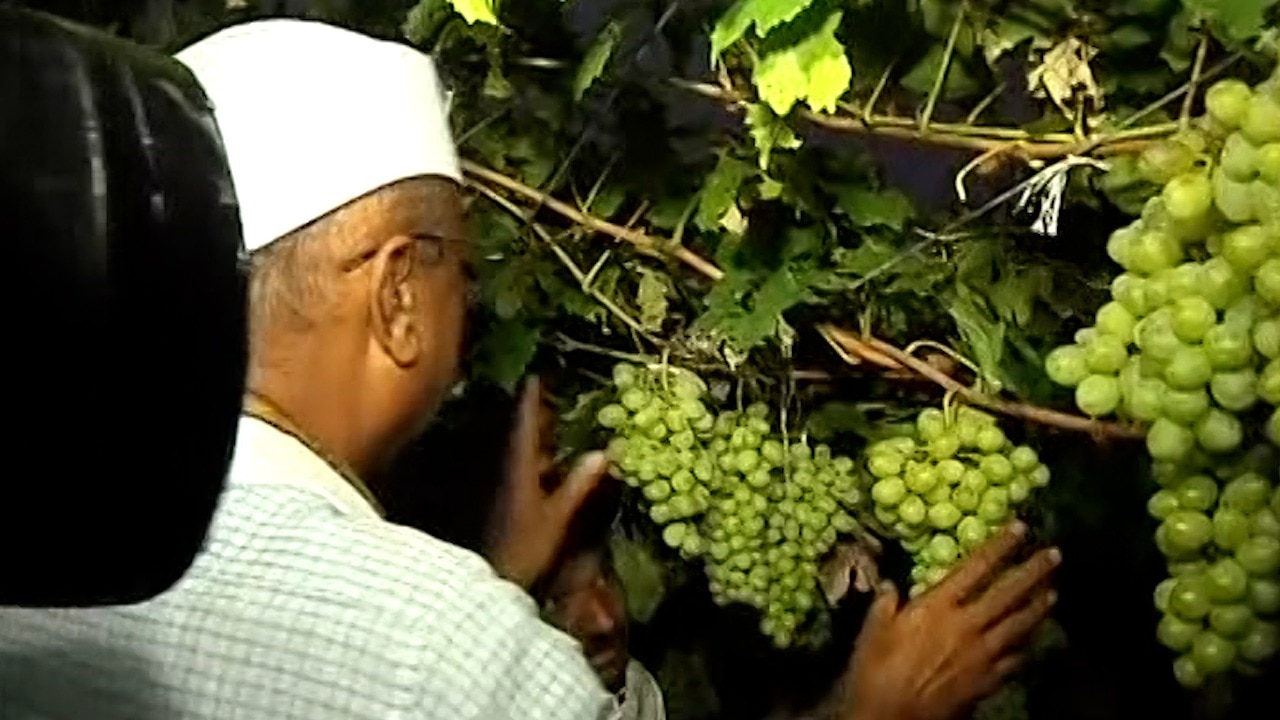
(314, 116)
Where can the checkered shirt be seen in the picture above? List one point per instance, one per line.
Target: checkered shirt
(303, 605)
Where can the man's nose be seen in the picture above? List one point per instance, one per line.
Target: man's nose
(602, 617)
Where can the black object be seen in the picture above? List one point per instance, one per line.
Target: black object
(126, 339)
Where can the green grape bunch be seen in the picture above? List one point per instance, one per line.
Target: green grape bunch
(759, 512)
(1189, 347)
(945, 489)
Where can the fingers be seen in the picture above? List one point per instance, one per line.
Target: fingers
(1012, 588)
(1013, 630)
(526, 441)
(972, 573)
(882, 611)
(582, 480)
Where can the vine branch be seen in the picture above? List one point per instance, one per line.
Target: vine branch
(869, 349)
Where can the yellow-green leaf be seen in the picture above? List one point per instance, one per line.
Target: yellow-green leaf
(814, 70)
(474, 11)
(764, 14)
(597, 57)
(769, 131)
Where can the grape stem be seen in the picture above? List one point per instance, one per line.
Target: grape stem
(868, 349)
(1023, 411)
(965, 136)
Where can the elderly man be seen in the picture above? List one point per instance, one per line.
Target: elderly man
(305, 603)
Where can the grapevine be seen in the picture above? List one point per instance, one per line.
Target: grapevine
(1190, 346)
(945, 488)
(729, 490)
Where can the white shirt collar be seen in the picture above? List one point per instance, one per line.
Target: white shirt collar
(265, 456)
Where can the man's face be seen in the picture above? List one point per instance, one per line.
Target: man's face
(431, 211)
(585, 600)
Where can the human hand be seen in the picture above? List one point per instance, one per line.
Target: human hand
(933, 658)
(531, 520)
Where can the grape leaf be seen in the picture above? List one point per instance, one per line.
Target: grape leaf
(921, 77)
(506, 350)
(1007, 33)
(867, 207)
(814, 70)
(720, 191)
(764, 14)
(651, 297)
(641, 575)
(983, 336)
(424, 19)
(597, 57)
(1239, 19)
(769, 131)
(474, 11)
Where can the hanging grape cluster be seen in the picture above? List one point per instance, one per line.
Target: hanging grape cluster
(728, 489)
(1190, 346)
(943, 490)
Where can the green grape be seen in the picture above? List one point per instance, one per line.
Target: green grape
(997, 468)
(1239, 159)
(1197, 493)
(1259, 556)
(1247, 493)
(1268, 163)
(950, 471)
(931, 423)
(1266, 281)
(1266, 337)
(1162, 592)
(1188, 196)
(1231, 621)
(1233, 198)
(944, 516)
(1130, 291)
(1098, 395)
(1187, 530)
(1144, 401)
(1213, 653)
(972, 532)
(1164, 161)
(1024, 459)
(1155, 336)
(1228, 102)
(1259, 645)
(1269, 383)
(1019, 490)
(943, 550)
(889, 491)
(1187, 673)
(913, 510)
(1189, 598)
(1185, 407)
(991, 439)
(1263, 596)
(1192, 318)
(944, 446)
(1236, 391)
(973, 479)
(1228, 347)
(1226, 581)
(1221, 284)
(1262, 121)
(1177, 634)
(1230, 528)
(1116, 321)
(921, 479)
(673, 535)
(1188, 369)
(1219, 432)
(1246, 247)
(1153, 251)
(965, 500)
(1265, 522)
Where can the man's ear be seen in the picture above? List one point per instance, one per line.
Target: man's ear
(396, 301)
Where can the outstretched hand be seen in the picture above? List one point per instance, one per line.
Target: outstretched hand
(933, 658)
(531, 521)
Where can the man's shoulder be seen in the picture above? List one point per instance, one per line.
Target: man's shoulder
(390, 567)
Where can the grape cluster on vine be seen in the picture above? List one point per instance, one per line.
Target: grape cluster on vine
(757, 510)
(943, 490)
(1190, 346)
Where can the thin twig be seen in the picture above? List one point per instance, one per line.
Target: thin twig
(1184, 118)
(645, 243)
(567, 261)
(567, 343)
(941, 79)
